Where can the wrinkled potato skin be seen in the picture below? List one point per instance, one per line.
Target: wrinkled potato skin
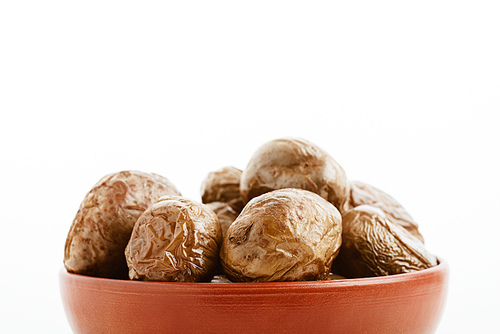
(295, 163)
(223, 185)
(372, 245)
(365, 194)
(226, 214)
(175, 240)
(283, 235)
(105, 219)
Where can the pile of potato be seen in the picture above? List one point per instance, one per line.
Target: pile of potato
(291, 215)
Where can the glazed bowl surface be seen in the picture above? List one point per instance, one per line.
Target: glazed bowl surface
(404, 303)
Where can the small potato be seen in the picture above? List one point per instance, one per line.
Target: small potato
(176, 240)
(334, 277)
(283, 235)
(372, 245)
(105, 219)
(223, 185)
(295, 163)
(365, 194)
(226, 214)
(220, 279)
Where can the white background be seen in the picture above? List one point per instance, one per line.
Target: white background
(404, 95)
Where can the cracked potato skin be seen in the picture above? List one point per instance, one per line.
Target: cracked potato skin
(372, 245)
(103, 224)
(176, 240)
(295, 163)
(283, 235)
(365, 194)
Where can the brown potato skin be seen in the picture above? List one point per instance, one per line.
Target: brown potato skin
(223, 185)
(220, 279)
(175, 240)
(283, 235)
(372, 245)
(295, 163)
(226, 214)
(103, 224)
(365, 194)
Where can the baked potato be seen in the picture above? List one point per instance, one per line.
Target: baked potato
(283, 235)
(102, 226)
(223, 185)
(176, 240)
(365, 194)
(226, 214)
(295, 163)
(372, 245)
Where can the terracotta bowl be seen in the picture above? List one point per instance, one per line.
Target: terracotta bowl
(404, 303)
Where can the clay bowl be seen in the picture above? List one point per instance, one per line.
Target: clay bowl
(404, 303)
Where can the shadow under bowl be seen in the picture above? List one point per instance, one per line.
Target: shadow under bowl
(404, 303)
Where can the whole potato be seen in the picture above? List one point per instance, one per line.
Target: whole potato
(372, 245)
(295, 163)
(283, 235)
(223, 185)
(104, 222)
(365, 194)
(226, 214)
(175, 239)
